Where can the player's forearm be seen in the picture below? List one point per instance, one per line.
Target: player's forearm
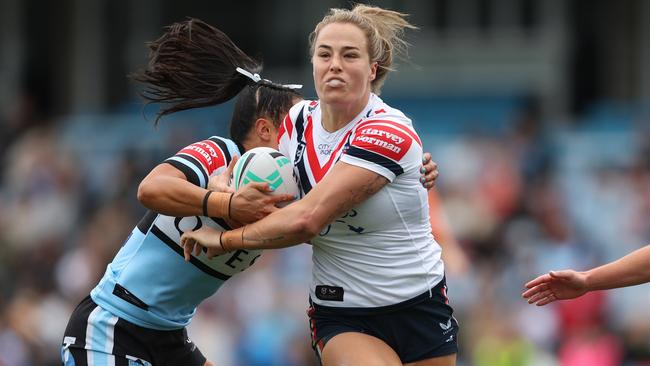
(283, 228)
(177, 197)
(633, 269)
(343, 188)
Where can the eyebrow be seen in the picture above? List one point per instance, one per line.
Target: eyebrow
(345, 48)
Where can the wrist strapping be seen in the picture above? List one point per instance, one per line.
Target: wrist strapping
(232, 240)
(219, 204)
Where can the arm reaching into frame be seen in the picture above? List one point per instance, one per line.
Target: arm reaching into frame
(632, 269)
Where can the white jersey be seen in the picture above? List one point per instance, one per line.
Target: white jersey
(381, 252)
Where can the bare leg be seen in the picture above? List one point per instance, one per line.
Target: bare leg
(353, 348)
(449, 360)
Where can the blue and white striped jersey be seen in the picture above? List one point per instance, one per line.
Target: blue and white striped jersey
(149, 283)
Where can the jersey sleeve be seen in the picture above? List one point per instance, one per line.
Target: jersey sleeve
(201, 159)
(384, 146)
(287, 130)
(284, 134)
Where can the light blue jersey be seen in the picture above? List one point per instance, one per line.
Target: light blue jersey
(149, 283)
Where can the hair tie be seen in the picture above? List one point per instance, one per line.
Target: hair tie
(291, 86)
(256, 78)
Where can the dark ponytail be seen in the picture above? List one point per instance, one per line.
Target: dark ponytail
(195, 65)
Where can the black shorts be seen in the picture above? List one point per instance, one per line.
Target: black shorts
(94, 336)
(417, 329)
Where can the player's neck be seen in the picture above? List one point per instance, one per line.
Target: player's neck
(255, 141)
(336, 116)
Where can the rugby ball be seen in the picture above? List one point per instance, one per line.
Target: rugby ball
(264, 164)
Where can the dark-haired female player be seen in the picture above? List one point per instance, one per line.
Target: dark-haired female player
(138, 312)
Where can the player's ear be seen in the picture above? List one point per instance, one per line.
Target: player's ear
(265, 129)
(373, 70)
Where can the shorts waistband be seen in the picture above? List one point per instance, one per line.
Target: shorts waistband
(437, 289)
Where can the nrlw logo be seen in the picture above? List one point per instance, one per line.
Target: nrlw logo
(299, 151)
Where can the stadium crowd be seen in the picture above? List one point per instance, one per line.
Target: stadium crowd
(532, 197)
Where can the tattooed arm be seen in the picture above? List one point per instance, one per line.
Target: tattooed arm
(342, 188)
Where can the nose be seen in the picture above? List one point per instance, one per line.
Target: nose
(335, 65)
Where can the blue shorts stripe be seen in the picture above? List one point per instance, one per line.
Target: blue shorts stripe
(66, 357)
(91, 342)
(99, 337)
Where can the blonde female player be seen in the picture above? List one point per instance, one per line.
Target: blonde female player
(378, 294)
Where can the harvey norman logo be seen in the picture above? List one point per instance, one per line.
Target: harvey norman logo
(381, 139)
(200, 148)
(388, 135)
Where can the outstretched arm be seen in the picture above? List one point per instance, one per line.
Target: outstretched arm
(633, 269)
(343, 188)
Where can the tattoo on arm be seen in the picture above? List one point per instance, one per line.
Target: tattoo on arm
(361, 194)
(262, 240)
(370, 188)
(258, 239)
(358, 195)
